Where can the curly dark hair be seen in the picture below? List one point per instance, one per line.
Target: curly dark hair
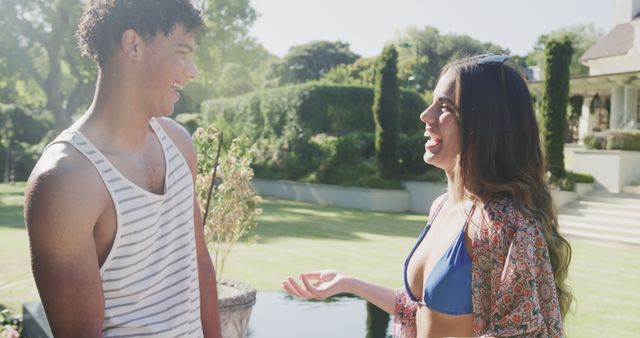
(104, 21)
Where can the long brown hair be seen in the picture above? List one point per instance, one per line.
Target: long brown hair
(501, 154)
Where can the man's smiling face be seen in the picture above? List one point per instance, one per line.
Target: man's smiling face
(167, 68)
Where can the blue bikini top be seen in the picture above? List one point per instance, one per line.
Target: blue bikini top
(447, 289)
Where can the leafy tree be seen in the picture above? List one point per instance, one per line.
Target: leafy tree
(226, 41)
(385, 113)
(423, 66)
(555, 97)
(312, 60)
(39, 45)
(22, 136)
(359, 73)
(235, 79)
(434, 51)
(582, 37)
(42, 68)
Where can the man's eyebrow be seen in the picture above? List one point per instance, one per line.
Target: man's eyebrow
(186, 46)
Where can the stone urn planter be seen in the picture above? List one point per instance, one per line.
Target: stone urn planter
(235, 302)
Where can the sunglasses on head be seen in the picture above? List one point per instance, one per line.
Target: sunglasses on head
(492, 59)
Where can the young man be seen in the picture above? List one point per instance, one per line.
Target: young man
(116, 234)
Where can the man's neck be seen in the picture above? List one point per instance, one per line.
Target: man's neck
(116, 118)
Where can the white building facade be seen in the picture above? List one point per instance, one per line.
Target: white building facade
(612, 88)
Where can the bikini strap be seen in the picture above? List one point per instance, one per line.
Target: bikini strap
(466, 222)
(437, 211)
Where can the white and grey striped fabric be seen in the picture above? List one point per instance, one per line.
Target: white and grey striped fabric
(150, 278)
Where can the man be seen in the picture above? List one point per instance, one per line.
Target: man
(116, 233)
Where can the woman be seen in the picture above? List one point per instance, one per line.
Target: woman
(490, 262)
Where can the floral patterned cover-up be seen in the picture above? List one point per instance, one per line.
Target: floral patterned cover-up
(513, 290)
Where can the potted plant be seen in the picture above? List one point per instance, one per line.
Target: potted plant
(229, 207)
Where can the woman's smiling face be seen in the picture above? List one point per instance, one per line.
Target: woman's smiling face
(441, 126)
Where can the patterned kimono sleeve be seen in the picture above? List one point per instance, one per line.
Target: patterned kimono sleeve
(519, 297)
(404, 316)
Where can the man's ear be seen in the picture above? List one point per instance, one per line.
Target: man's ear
(131, 44)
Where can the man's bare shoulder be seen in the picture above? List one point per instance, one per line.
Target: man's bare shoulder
(62, 167)
(180, 137)
(63, 179)
(63, 202)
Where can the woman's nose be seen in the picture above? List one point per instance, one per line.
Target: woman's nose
(428, 115)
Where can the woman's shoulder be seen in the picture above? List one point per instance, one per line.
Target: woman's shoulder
(437, 203)
(499, 208)
(502, 214)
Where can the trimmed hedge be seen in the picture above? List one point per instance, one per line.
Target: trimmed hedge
(595, 141)
(581, 178)
(385, 112)
(318, 133)
(317, 108)
(569, 180)
(555, 98)
(624, 140)
(348, 161)
(614, 140)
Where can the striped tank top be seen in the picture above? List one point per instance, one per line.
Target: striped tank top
(150, 277)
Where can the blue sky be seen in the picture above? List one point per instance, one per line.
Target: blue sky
(368, 24)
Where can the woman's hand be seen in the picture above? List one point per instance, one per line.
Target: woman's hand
(317, 285)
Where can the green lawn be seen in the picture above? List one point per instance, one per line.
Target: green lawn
(16, 281)
(295, 237)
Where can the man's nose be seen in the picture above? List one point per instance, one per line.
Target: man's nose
(192, 71)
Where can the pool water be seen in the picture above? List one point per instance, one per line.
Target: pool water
(277, 314)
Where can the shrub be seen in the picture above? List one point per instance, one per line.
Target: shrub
(233, 205)
(345, 159)
(311, 132)
(10, 325)
(565, 183)
(434, 174)
(291, 157)
(191, 121)
(614, 140)
(318, 108)
(596, 140)
(569, 180)
(555, 98)
(411, 152)
(580, 178)
(385, 112)
(623, 140)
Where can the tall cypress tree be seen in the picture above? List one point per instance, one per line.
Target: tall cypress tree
(385, 113)
(557, 52)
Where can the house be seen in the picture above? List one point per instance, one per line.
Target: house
(611, 89)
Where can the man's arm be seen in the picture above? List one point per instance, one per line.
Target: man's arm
(61, 209)
(209, 314)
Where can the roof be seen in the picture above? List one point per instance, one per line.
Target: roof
(617, 42)
(590, 85)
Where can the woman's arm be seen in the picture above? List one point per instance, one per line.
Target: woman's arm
(513, 270)
(326, 283)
